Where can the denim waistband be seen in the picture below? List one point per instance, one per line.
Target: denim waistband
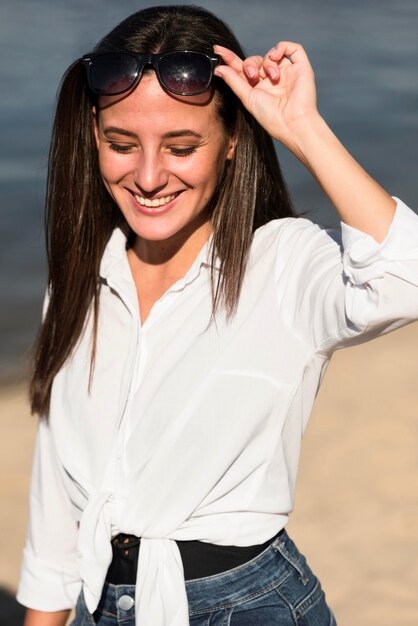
(259, 574)
(279, 574)
(262, 573)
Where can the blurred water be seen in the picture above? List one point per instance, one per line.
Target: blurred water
(365, 59)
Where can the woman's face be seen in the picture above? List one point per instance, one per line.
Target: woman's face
(161, 157)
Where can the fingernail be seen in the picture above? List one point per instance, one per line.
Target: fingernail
(251, 72)
(272, 72)
(217, 72)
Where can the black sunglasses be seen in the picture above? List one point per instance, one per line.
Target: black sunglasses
(183, 72)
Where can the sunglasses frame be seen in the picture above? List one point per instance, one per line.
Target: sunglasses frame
(144, 59)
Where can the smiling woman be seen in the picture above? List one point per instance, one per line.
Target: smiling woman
(161, 157)
(188, 322)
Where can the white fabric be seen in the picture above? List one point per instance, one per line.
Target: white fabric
(194, 431)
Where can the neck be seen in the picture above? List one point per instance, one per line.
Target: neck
(170, 258)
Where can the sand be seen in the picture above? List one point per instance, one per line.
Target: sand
(356, 509)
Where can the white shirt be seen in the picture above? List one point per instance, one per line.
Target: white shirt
(194, 431)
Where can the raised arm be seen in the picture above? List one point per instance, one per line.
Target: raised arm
(279, 91)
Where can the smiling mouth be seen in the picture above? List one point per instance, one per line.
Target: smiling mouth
(157, 202)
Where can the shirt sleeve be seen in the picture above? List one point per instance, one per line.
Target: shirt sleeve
(49, 579)
(342, 287)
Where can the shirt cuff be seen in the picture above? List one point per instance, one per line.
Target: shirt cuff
(44, 586)
(365, 259)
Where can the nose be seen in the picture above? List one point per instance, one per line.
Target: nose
(151, 175)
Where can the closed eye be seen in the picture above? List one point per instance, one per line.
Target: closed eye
(119, 148)
(181, 152)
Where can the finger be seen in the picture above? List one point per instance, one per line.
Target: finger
(229, 57)
(294, 52)
(270, 67)
(279, 56)
(252, 66)
(236, 81)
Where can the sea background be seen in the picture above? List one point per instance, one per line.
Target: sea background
(365, 57)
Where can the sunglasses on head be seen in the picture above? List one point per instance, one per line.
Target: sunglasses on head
(182, 72)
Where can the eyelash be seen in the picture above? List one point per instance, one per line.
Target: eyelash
(180, 152)
(183, 152)
(117, 148)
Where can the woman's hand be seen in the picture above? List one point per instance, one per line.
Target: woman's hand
(277, 89)
(280, 93)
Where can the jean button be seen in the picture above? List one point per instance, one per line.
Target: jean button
(125, 603)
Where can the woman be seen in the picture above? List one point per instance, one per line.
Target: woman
(164, 473)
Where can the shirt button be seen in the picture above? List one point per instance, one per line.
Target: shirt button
(125, 603)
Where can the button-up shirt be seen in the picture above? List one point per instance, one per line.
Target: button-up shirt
(192, 429)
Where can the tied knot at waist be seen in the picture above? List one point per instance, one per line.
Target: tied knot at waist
(160, 592)
(160, 596)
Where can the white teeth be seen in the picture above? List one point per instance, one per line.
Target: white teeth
(156, 202)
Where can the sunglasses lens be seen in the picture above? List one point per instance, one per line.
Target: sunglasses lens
(186, 73)
(113, 73)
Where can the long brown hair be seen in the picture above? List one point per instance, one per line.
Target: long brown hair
(80, 215)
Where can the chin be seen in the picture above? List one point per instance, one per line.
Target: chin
(151, 232)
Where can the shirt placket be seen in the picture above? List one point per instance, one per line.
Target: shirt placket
(115, 478)
(117, 474)
(144, 331)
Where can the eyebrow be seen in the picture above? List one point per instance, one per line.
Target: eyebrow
(118, 131)
(183, 132)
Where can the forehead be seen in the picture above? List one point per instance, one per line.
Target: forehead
(150, 105)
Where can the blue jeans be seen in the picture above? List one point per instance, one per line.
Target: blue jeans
(276, 588)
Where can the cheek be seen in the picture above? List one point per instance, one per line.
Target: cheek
(205, 172)
(217, 170)
(106, 166)
(112, 166)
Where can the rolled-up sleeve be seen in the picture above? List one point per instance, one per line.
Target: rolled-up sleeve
(344, 287)
(49, 578)
(364, 259)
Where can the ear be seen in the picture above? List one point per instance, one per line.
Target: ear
(95, 126)
(231, 147)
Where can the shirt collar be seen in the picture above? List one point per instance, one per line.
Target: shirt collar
(115, 259)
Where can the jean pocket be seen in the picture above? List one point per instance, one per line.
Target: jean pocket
(302, 592)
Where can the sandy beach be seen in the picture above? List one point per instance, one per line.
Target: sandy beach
(356, 509)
